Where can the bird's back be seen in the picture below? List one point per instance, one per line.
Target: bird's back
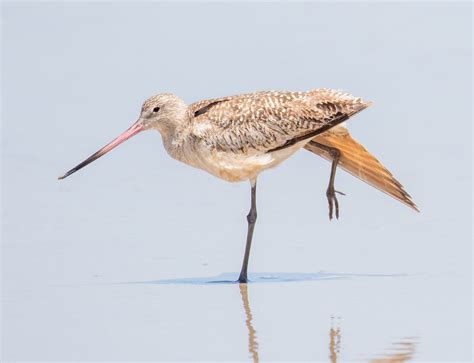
(265, 121)
(237, 137)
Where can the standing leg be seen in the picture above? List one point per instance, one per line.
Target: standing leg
(251, 218)
(331, 192)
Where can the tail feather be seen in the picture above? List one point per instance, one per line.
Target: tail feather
(359, 162)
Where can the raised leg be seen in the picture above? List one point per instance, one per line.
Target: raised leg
(331, 192)
(251, 219)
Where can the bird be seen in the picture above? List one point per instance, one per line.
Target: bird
(235, 138)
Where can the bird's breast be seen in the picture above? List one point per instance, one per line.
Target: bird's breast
(234, 166)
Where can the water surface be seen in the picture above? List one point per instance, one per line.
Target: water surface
(129, 258)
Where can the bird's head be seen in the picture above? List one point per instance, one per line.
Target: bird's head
(163, 112)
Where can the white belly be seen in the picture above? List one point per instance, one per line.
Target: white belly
(235, 167)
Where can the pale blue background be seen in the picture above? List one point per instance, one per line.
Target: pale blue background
(74, 76)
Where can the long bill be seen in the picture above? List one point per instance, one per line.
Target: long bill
(133, 130)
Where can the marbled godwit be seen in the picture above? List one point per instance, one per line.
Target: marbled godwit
(237, 137)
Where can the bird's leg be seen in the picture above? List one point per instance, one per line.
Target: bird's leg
(251, 219)
(331, 192)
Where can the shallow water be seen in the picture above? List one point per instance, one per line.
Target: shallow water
(278, 316)
(128, 259)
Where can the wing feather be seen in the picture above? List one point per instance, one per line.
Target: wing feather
(359, 162)
(268, 121)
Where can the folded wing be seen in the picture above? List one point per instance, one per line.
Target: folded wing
(269, 121)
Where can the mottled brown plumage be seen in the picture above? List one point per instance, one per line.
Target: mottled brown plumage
(264, 121)
(237, 137)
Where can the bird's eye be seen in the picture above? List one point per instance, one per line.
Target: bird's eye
(156, 109)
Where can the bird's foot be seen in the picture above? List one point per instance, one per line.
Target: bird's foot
(332, 201)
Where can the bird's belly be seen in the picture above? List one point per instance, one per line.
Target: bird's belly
(235, 167)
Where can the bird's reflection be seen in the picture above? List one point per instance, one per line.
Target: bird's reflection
(252, 334)
(400, 351)
(334, 341)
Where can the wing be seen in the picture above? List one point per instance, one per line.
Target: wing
(356, 160)
(269, 121)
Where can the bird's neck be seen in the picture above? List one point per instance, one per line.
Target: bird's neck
(174, 136)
